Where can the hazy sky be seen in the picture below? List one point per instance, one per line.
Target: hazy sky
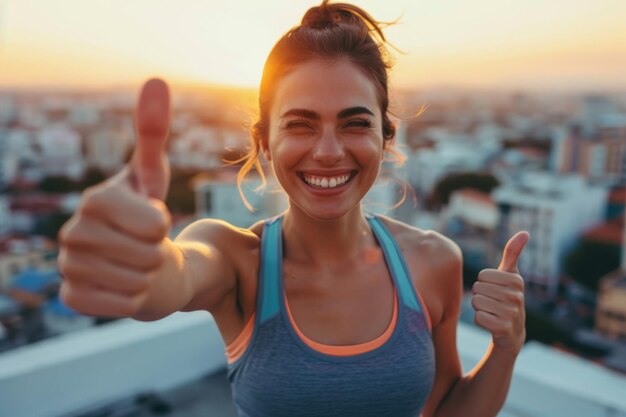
(536, 44)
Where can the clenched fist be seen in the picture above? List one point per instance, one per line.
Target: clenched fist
(112, 245)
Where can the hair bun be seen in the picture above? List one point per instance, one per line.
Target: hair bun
(320, 16)
(328, 15)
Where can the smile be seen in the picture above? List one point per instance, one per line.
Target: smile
(318, 181)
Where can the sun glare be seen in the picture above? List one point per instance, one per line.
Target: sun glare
(482, 43)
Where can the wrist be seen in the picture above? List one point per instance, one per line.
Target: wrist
(505, 353)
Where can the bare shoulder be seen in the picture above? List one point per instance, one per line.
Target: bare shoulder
(222, 260)
(438, 249)
(436, 264)
(218, 233)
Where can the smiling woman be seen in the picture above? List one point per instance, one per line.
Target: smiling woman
(326, 132)
(324, 309)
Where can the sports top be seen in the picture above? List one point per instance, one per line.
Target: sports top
(276, 371)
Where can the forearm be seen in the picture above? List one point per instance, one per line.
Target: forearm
(481, 392)
(170, 289)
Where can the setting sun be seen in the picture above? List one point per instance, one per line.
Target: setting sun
(534, 44)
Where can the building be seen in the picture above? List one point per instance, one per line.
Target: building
(5, 215)
(470, 219)
(599, 156)
(217, 197)
(17, 254)
(202, 147)
(60, 152)
(610, 317)
(555, 210)
(107, 147)
(428, 165)
(611, 305)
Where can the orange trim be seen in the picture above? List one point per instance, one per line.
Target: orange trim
(238, 346)
(348, 350)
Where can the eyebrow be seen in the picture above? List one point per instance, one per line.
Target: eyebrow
(308, 114)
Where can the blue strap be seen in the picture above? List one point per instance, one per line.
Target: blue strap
(396, 262)
(271, 264)
(271, 259)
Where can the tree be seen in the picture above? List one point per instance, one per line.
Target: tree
(589, 261)
(481, 181)
(58, 184)
(93, 176)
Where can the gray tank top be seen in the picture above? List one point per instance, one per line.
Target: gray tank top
(279, 375)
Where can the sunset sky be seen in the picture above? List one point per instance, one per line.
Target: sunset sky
(533, 44)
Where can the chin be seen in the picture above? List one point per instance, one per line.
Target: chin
(325, 214)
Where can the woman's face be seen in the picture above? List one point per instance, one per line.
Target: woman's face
(325, 137)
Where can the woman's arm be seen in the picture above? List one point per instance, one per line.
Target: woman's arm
(198, 269)
(498, 300)
(482, 392)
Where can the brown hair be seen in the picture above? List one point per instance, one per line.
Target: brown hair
(329, 32)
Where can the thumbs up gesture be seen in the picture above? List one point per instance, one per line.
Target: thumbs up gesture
(149, 166)
(113, 244)
(498, 299)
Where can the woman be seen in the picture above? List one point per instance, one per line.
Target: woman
(324, 310)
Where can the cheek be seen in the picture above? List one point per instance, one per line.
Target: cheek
(288, 151)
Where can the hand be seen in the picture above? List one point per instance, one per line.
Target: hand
(499, 299)
(111, 246)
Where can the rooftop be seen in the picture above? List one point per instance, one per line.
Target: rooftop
(178, 363)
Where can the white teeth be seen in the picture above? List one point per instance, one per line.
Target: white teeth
(324, 182)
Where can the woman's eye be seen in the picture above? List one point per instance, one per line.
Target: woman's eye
(297, 124)
(359, 123)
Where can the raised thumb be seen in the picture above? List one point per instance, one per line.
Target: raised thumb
(512, 251)
(149, 164)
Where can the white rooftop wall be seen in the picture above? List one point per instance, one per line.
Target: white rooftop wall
(96, 366)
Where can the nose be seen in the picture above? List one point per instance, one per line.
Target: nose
(328, 149)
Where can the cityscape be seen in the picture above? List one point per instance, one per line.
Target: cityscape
(479, 166)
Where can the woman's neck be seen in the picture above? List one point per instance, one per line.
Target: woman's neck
(325, 243)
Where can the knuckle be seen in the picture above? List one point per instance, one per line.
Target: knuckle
(96, 198)
(517, 297)
(78, 232)
(66, 265)
(161, 220)
(140, 282)
(62, 260)
(90, 200)
(67, 295)
(134, 304)
(154, 257)
(66, 234)
(478, 318)
(481, 274)
(128, 309)
(62, 235)
(507, 328)
(163, 224)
